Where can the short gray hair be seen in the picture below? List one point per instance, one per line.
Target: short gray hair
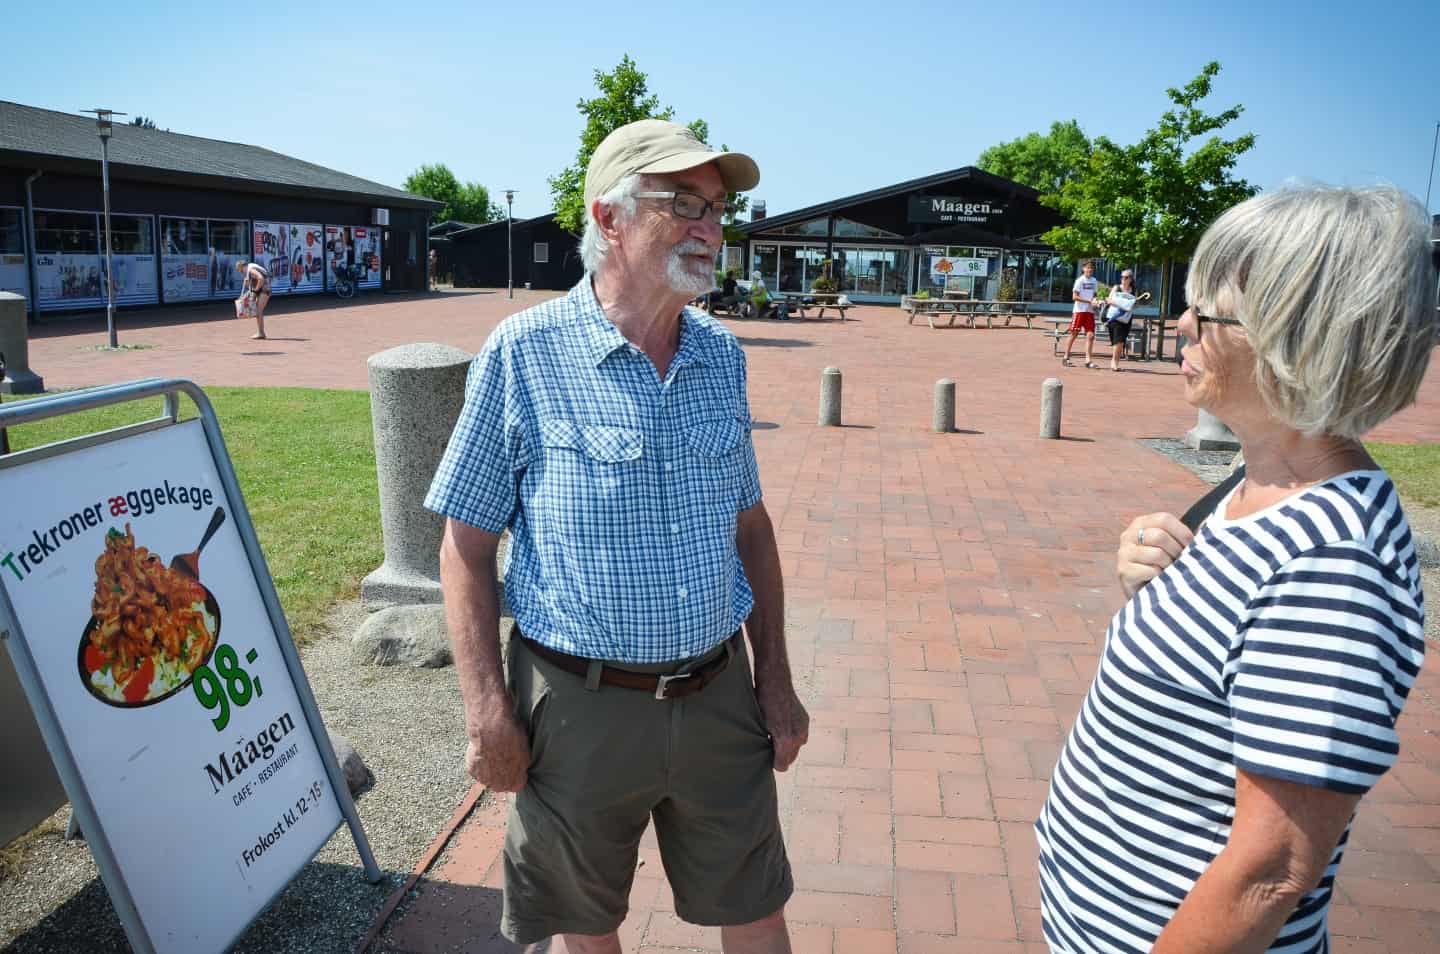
(593, 246)
(1335, 290)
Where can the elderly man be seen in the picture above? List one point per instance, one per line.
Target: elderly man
(609, 430)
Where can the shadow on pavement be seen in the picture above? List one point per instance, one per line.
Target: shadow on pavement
(163, 316)
(443, 916)
(774, 343)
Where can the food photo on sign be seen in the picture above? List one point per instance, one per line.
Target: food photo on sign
(151, 625)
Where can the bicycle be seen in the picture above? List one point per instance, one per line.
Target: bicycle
(348, 279)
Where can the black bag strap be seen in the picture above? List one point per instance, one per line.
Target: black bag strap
(1206, 505)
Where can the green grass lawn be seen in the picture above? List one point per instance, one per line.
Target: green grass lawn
(1415, 468)
(306, 464)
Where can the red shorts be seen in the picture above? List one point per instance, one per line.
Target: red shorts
(1083, 321)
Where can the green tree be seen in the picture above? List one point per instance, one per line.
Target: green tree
(624, 98)
(1150, 202)
(464, 202)
(145, 122)
(1044, 162)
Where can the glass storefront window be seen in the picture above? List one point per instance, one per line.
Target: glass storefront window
(846, 228)
(800, 265)
(229, 238)
(12, 236)
(1147, 278)
(131, 235)
(1048, 277)
(731, 261)
(819, 226)
(183, 236)
(1010, 270)
(1062, 280)
(897, 277)
(765, 259)
(66, 233)
(874, 270)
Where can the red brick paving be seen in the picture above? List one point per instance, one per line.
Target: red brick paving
(947, 594)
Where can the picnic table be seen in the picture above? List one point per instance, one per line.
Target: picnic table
(956, 307)
(802, 301)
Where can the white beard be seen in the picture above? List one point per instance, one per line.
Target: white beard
(687, 278)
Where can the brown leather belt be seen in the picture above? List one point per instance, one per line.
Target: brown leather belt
(664, 686)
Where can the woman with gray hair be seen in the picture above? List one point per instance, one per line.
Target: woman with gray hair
(1249, 689)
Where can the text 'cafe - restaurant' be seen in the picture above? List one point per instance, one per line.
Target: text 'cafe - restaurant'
(962, 231)
(184, 211)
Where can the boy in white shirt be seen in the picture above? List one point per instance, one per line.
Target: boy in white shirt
(1083, 318)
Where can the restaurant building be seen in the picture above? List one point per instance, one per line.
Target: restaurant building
(963, 231)
(184, 210)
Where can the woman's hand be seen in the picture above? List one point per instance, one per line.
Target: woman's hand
(1150, 544)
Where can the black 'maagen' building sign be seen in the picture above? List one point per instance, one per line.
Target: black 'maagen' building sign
(946, 209)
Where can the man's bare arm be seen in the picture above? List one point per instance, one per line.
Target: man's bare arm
(499, 753)
(785, 716)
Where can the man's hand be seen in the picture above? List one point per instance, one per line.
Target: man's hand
(786, 720)
(498, 755)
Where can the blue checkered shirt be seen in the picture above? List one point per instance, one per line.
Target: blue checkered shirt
(620, 490)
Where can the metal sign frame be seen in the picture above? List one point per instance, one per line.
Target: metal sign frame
(170, 389)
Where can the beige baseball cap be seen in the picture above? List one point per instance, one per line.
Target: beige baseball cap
(655, 145)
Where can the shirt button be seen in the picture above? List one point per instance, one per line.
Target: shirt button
(674, 528)
(669, 466)
(682, 592)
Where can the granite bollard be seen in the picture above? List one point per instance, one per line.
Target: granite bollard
(1211, 433)
(15, 346)
(942, 413)
(830, 397)
(416, 392)
(1051, 393)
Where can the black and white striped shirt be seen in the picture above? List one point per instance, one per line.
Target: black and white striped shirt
(1283, 643)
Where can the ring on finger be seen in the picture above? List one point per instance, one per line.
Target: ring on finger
(1140, 536)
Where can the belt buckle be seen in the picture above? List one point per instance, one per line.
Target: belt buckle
(662, 681)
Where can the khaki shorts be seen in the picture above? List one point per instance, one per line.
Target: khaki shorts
(603, 764)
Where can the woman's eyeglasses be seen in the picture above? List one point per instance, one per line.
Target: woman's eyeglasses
(1202, 319)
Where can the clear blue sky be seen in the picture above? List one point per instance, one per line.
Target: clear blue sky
(831, 99)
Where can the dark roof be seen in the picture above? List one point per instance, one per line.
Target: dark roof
(29, 135)
(475, 230)
(448, 226)
(900, 188)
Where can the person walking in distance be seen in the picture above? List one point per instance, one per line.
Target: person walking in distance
(609, 432)
(1119, 312)
(1083, 314)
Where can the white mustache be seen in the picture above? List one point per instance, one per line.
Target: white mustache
(692, 247)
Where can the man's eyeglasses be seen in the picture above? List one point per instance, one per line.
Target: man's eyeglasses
(688, 205)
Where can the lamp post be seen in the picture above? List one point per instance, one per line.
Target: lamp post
(509, 252)
(1430, 181)
(105, 129)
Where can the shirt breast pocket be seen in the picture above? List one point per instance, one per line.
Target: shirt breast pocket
(716, 448)
(590, 457)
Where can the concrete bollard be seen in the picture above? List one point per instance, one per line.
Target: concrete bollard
(1051, 393)
(15, 346)
(1210, 433)
(416, 392)
(942, 412)
(830, 397)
